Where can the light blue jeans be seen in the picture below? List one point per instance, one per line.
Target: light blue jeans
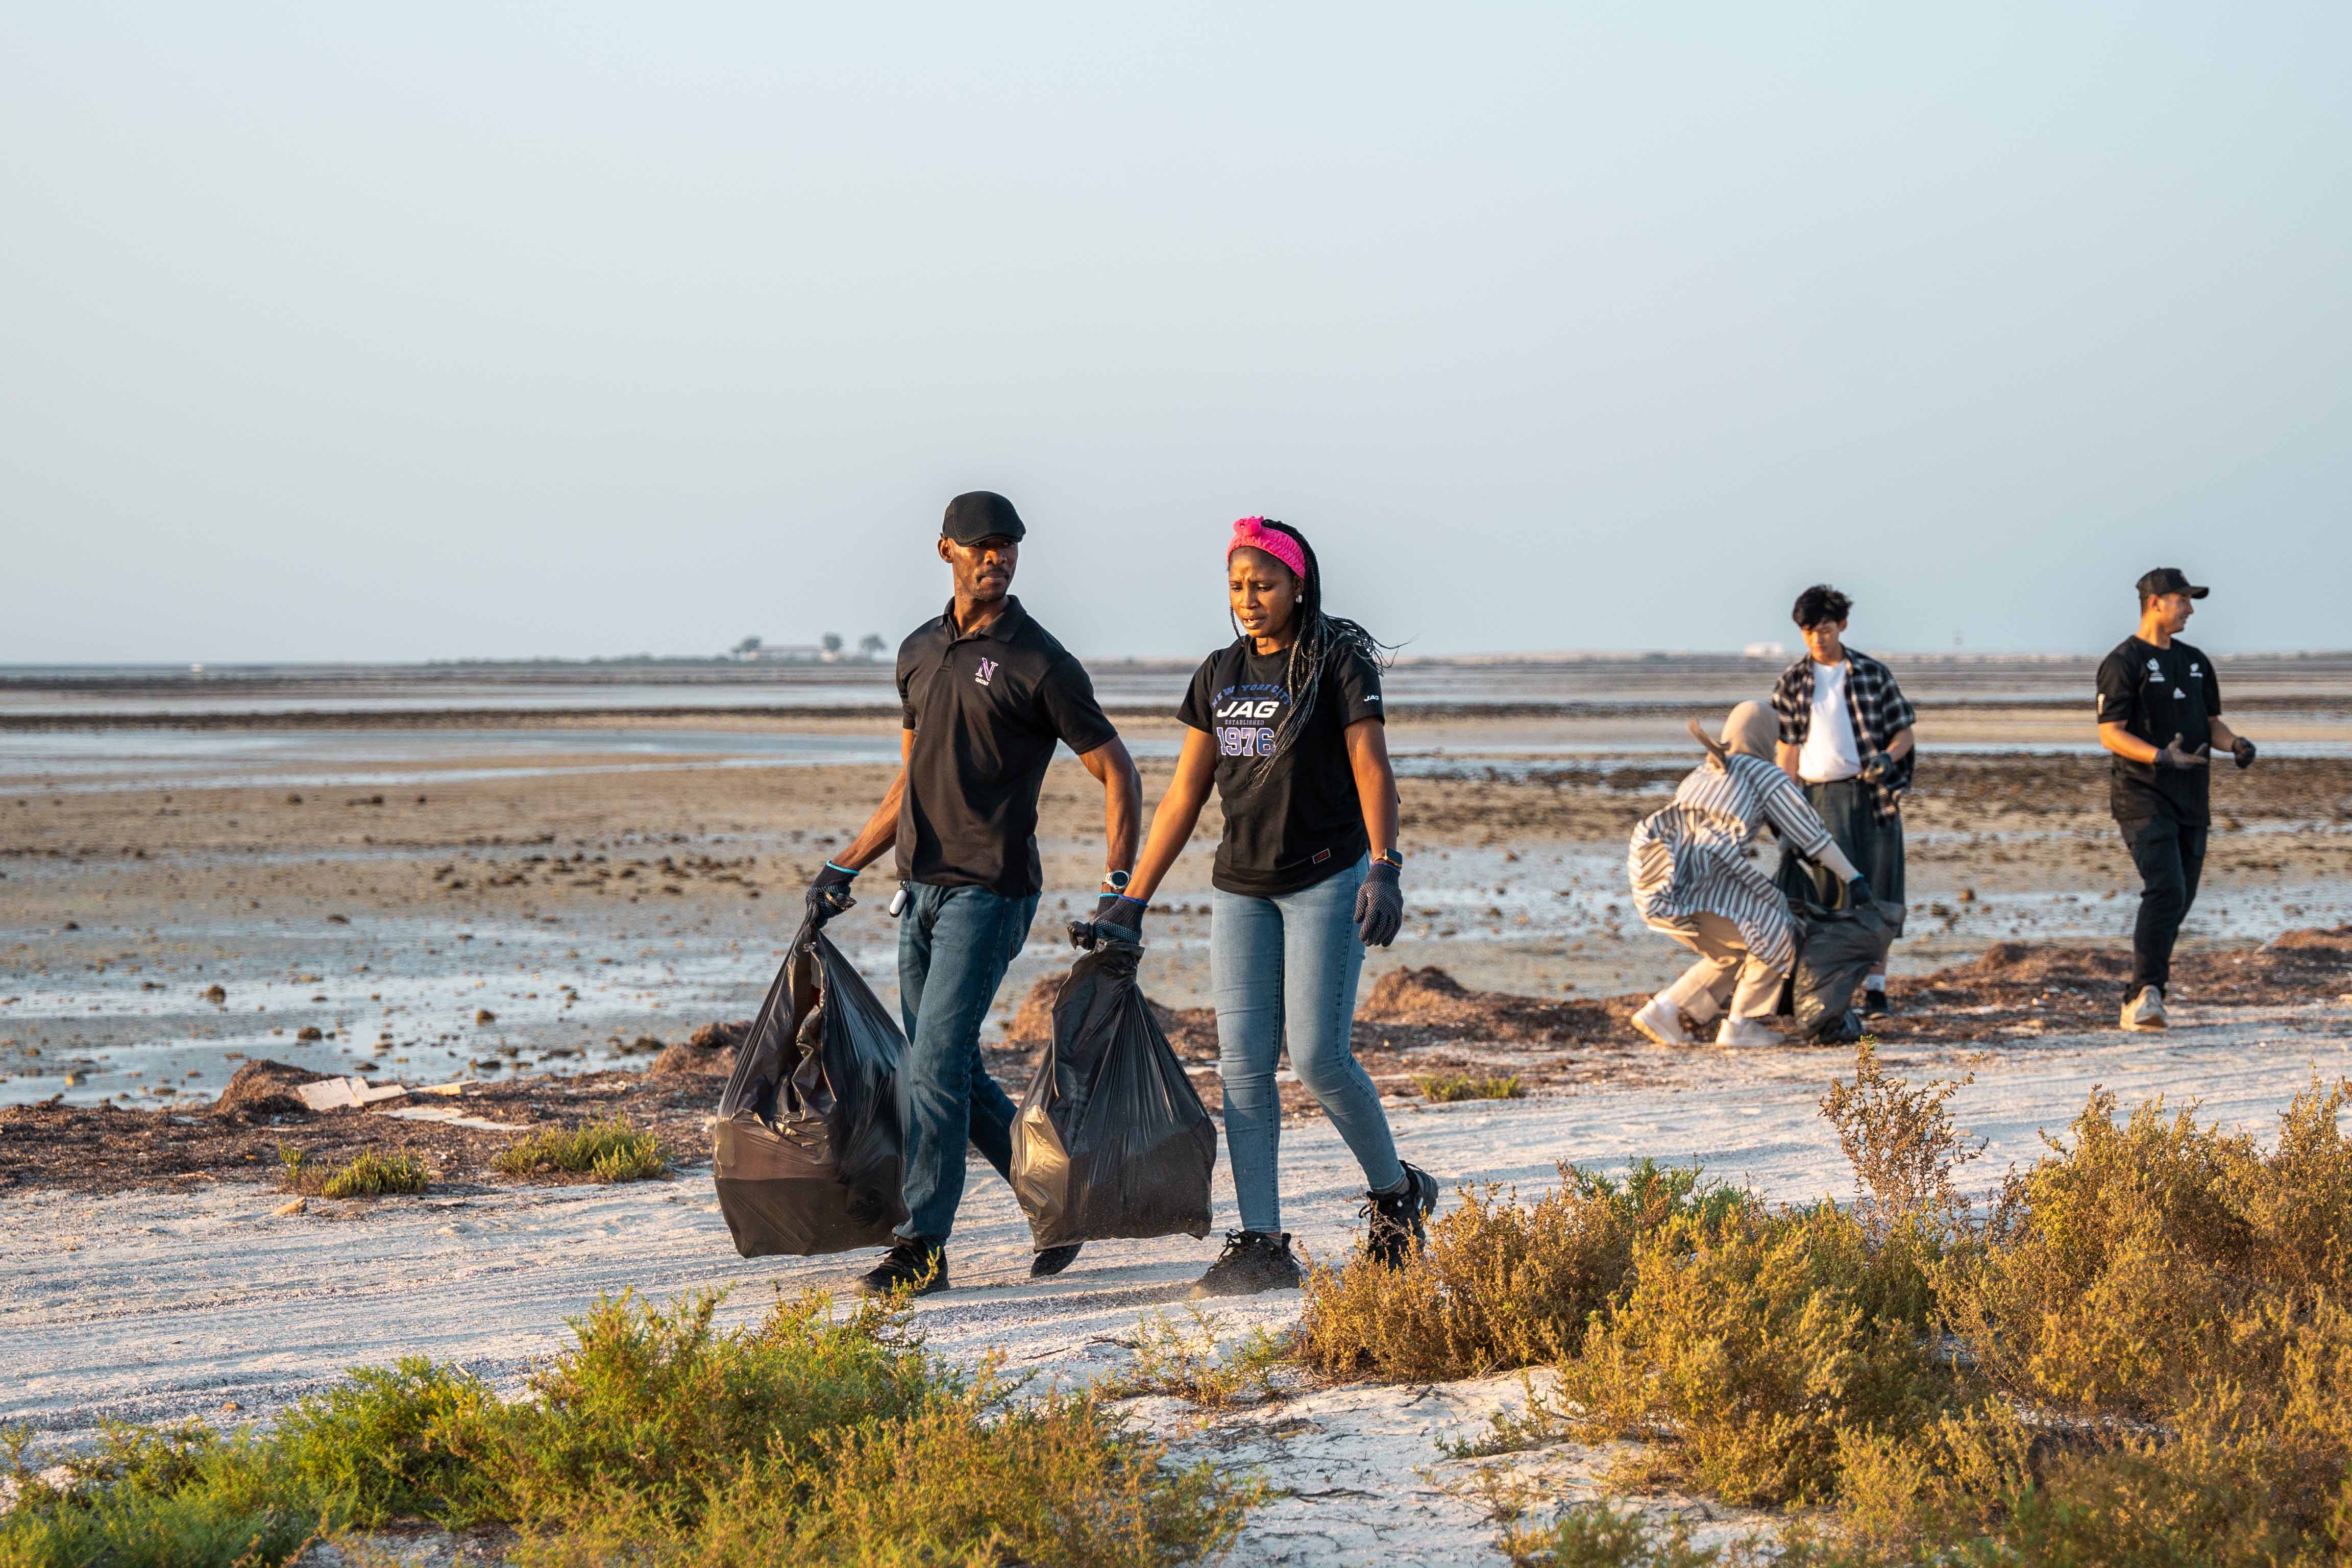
(1289, 966)
(954, 945)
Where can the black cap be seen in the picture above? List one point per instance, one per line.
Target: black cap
(2169, 580)
(980, 514)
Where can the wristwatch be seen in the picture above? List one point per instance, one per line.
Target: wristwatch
(1115, 881)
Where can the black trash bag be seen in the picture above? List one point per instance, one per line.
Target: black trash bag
(1111, 1140)
(1836, 950)
(808, 1147)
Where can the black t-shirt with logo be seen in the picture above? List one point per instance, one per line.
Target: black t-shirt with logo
(1302, 821)
(986, 708)
(2156, 693)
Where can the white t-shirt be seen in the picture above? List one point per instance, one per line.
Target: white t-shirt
(1828, 753)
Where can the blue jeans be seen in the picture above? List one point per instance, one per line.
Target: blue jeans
(1289, 966)
(953, 946)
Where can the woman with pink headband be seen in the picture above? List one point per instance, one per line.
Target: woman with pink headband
(1285, 722)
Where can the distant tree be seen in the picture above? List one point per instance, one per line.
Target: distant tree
(745, 648)
(831, 642)
(870, 645)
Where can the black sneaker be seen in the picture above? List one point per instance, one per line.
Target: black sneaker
(915, 1264)
(1396, 1228)
(1874, 1004)
(1048, 1261)
(1252, 1261)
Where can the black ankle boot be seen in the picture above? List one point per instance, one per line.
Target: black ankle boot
(1253, 1261)
(1396, 1228)
(917, 1265)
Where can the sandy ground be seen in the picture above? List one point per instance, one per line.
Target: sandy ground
(490, 914)
(526, 906)
(211, 1304)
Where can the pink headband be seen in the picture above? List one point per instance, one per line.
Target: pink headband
(1253, 532)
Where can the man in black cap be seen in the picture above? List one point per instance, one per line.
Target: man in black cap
(985, 693)
(2161, 714)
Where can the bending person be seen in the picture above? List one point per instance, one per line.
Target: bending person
(985, 693)
(1693, 881)
(1286, 721)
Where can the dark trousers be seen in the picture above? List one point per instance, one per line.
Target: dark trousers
(954, 944)
(1875, 848)
(2170, 855)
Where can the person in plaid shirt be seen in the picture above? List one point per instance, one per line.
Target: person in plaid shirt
(1845, 737)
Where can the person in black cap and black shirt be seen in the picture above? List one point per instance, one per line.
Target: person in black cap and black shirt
(2161, 714)
(985, 694)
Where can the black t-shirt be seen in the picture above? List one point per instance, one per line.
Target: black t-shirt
(986, 708)
(1302, 822)
(2156, 693)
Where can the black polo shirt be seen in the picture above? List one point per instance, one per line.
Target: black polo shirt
(986, 708)
(2156, 693)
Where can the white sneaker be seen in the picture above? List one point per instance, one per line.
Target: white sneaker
(1747, 1032)
(1663, 1022)
(2145, 1011)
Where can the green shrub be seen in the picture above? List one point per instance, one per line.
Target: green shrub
(1448, 1088)
(654, 1438)
(1185, 1363)
(373, 1175)
(1745, 1357)
(613, 1151)
(1500, 1284)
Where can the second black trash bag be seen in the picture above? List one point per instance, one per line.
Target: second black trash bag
(807, 1146)
(1836, 950)
(1111, 1140)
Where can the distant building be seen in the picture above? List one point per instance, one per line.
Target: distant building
(1765, 650)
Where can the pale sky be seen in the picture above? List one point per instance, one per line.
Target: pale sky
(434, 331)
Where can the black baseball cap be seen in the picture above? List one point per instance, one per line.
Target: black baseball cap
(980, 514)
(2169, 580)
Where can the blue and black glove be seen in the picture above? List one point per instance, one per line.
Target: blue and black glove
(1878, 769)
(1380, 904)
(1118, 918)
(829, 894)
(1857, 894)
(2244, 750)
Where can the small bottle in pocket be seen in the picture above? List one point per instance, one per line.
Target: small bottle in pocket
(898, 901)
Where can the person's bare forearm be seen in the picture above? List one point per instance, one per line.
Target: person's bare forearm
(1178, 814)
(2223, 736)
(1368, 758)
(1785, 752)
(880, 832)
(1122, 802)
(2126, 744)
(1899, 745)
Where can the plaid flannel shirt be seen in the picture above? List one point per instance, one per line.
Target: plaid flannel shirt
(1875, 703)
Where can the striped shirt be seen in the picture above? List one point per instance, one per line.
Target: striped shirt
(1875, 704)
(1690, 858)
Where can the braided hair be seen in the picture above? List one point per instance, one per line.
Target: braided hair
(1321, 639)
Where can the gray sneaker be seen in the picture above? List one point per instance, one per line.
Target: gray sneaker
(2145, 1011)
(1253, 1261)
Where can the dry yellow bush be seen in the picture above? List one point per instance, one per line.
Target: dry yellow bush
(1500, 1284)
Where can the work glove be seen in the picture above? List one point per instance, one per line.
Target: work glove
(829, 894)
(1857, 893)
(1117, 919)
(2244, 750)
(1878, 768)
(1380, 904)
(2175, 756)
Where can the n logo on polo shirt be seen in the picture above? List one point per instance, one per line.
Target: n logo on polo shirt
(987, 669)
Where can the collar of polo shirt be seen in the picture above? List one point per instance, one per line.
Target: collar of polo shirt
(1002, 628)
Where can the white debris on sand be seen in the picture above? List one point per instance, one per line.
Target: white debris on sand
(148, 1306)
